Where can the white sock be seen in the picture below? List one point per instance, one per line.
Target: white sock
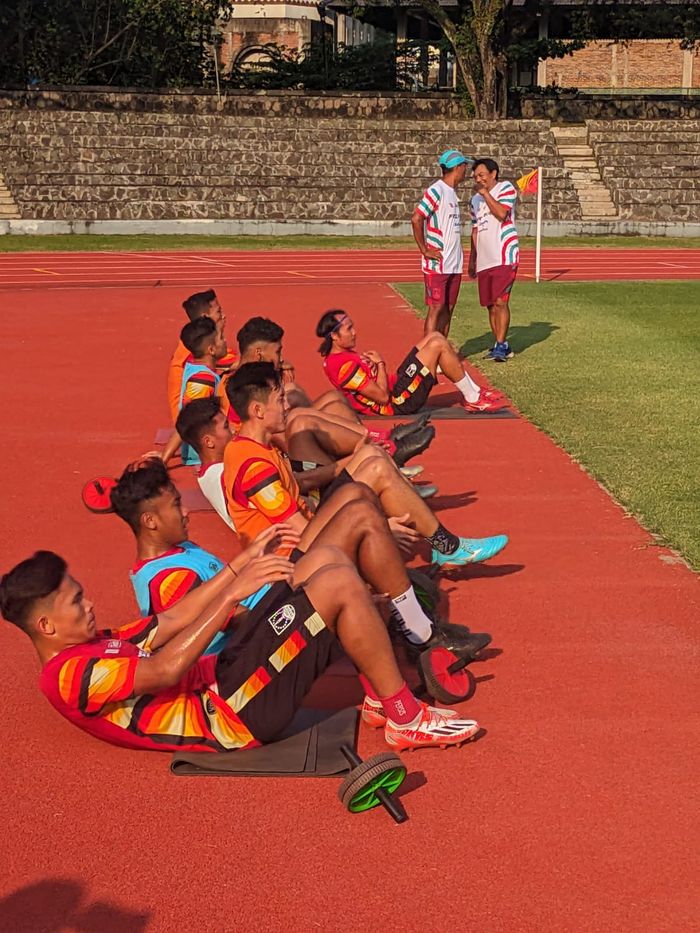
(418, 625)
(469, 389)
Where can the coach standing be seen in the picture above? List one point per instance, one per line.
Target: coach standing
(495, 251)
(437, 229)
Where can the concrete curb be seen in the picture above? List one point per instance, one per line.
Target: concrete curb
(375, 228)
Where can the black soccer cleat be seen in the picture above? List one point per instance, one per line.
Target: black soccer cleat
(400, 431)
(455, 638)
(413, 445)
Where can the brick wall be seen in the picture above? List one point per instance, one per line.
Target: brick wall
(653, 63)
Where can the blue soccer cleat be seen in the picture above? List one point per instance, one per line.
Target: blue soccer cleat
(471, 551)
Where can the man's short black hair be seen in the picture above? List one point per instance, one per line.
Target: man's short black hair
(198, 304)
(195, 419)
(489, 164)
(139, 483)
(258, 330)
(31, 580)
(251, 382)
(197, 335)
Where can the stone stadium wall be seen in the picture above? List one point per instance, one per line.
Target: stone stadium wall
(258, 161)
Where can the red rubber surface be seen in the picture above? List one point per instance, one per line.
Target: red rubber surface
(244, 268)
(575, 812)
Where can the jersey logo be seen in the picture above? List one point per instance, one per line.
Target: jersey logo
(113, 646)
(282, 619)
(411, 370)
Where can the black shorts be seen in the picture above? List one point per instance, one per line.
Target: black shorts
(272, 659)
(414, 383)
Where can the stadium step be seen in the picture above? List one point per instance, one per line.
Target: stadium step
(578, 157)
(8, 208)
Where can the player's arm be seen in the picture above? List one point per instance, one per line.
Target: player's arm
(418, 226)
(163, 670)
(472, 253)
(377, 391)
(321, 476)
(499, 210)
(171, 448)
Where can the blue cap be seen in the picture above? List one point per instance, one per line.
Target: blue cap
(451, 158)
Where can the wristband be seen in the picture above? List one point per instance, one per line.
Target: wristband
(235, 575)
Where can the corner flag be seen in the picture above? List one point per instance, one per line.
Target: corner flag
(529, 183)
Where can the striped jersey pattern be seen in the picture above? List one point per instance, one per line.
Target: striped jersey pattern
(497, 241)
(439, 207)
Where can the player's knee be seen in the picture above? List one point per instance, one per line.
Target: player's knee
(320, 557)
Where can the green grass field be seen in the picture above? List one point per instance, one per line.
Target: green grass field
(92, 242)
(610, 371)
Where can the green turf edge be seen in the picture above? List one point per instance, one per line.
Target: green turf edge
(679, 471)
(20, 243)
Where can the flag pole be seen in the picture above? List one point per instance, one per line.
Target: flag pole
(538, 235)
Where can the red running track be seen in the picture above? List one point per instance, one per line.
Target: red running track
(323, 267)
(574, 813)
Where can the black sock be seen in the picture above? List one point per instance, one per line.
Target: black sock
(444, 541)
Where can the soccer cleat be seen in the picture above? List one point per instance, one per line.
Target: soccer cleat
(491, 395)
(484, 403)
(414, 444)
(426, 490)
(431, 729)
(456, 638)
(471, 551)
(399, 431)
(489, 353)
(502, 352)
(410, 472)
(373, 714)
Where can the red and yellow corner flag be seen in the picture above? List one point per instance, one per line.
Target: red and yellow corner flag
(528, 183)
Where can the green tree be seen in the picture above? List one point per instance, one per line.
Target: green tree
(140, 43)
(487, 36)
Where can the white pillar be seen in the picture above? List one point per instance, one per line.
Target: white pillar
(542, 63)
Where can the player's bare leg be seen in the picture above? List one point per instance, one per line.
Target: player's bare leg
(499, 319)
(315, 437)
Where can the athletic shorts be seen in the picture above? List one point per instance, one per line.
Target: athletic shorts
(441, 289)
(414, 383)
(495, 283)
(272, 659)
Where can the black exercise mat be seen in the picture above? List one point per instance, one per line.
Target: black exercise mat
(309, 747)
(456, 413)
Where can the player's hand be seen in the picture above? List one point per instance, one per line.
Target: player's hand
(288, 372)
(267, 542)
(268, 568)
(431, 253)
(404, 534)
(149, 455)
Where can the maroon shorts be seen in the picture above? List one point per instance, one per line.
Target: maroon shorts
(495, 283)
(442, 290)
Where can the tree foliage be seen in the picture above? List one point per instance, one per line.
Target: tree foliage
(385, 65)
(487, 36)
(138, 43)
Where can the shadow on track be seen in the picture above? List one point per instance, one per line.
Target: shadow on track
(60, 904)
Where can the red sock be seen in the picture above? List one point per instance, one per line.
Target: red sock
(382, 439)
(368, 688)
(402, 707)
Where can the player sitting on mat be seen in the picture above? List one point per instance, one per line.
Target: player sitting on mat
(367, 386)
(206, 344)
(168, 565)
(410, 519)
(201, 304)
(146, 685)
(261, 489)
(260, 341)
(147, 500)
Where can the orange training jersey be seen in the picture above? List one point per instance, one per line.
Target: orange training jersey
(177, 364)
(260, 488)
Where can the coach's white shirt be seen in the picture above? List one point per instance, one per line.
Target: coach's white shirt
(211, 482)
